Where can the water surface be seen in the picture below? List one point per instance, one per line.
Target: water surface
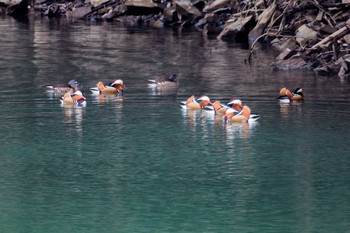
(142, 164)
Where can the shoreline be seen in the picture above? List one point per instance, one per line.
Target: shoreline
(306, 34)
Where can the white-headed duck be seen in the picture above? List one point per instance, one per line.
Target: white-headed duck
(116, 87)
(195, 103)
(286, 96)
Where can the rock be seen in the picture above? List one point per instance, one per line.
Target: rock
(10, 2)
(170, 15)
(343, 71)
(217, 4)
(263, 19)
(141, 3)
(96, 3)
(232, 27)
(17, 8)
(322, 71)
(186, 8)
(347, 38)
(287, 53)
(305, 35)
(283, 43)
(328, 29)
(79, 12)
(292, 63)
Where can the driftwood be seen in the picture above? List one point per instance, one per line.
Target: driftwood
(325, 21)
(263, 19)
(340, 33)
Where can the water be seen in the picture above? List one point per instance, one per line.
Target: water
(142, 164)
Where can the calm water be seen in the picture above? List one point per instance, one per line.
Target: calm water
(142, 164)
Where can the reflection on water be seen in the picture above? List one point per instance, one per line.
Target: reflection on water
(162, 90)
(193, 118)
(73, 116)
(240, 130)
(210, 123)
(103, 99)
(293, 108)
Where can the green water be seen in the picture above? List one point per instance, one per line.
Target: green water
(142, 164)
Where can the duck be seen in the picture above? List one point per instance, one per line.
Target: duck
(286, 96)
(74, 96)
(195, 103)
(231, 116)
(116, 87)
(169, 82)
(235, 105)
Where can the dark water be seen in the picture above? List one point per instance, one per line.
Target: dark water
(142, 164)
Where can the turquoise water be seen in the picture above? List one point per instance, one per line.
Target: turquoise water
(142, 164)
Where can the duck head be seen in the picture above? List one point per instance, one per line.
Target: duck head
(173, 78)
(236, 104)
(203, 101)
(298, 91)
(74, 84)
(119, 85)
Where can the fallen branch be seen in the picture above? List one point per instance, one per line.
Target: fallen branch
(341, 32)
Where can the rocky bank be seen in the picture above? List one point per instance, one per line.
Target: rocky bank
(309, 34)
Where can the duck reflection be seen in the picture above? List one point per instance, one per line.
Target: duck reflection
(288, 109)
(240, 130)
(102, 99)
(163, 91)
(192, 117)
(73, 115)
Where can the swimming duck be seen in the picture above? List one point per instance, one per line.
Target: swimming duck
(74, 96)
(286, 96)
(194, 103)
(171, 81)
(232, 116)
(235, 106)
(114, 88)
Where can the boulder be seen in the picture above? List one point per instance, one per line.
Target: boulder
(186, 8)
(232, 27)
(305, 35)
(79, 12)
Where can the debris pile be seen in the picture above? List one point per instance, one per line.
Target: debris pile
(311, 34)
